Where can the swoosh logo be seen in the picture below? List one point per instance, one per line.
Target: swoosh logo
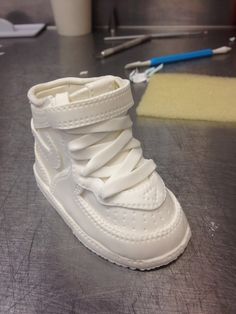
(48, 147)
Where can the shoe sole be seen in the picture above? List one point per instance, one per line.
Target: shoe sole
(102, 251)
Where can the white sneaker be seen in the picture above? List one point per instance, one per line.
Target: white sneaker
(92, 171)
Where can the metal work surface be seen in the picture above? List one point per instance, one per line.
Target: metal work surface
(43, 267)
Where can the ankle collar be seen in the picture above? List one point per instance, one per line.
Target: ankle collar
(85, 112)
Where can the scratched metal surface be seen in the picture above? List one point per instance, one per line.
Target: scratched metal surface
(43, 267)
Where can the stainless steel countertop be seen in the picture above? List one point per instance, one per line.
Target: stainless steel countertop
(43, 267)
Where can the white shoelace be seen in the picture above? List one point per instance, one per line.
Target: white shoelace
(97, 150)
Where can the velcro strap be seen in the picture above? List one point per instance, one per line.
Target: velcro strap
(85, 112)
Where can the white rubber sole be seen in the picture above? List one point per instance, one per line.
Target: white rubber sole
(102, 251)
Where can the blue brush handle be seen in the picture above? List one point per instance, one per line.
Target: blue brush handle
(182, 56)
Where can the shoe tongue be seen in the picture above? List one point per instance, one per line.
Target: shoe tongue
(89, 90)
(62, 98)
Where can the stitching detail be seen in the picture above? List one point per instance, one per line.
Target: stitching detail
(91, 119)
(149, 206)
(124, 204)
(151, 203)
(45, 117)
(105, 228)
(136, 205)
(90, 103)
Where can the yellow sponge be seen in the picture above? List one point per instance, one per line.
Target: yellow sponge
(188, 96)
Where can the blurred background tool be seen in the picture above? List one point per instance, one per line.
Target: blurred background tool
(158, 35)
(178, 57)
(113, 23)
(123, 46)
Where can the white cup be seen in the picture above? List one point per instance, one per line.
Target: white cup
(72, 17)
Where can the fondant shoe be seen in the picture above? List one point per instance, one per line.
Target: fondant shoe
(92, 170)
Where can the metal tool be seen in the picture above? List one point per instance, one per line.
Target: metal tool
(160, 35)
(123, 46)
(113, 23)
